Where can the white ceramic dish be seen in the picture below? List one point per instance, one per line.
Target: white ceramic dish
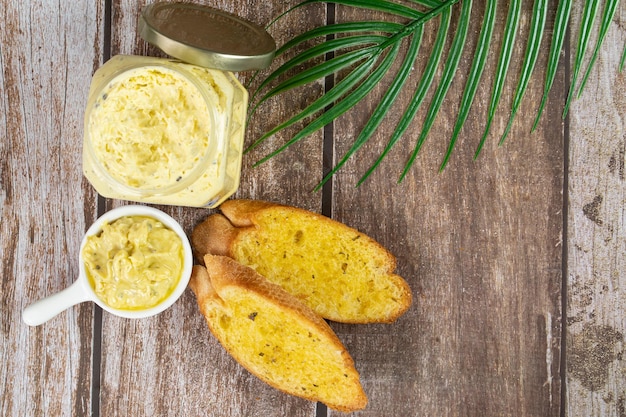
(81, 290)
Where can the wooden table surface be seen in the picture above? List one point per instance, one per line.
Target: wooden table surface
(516, 260)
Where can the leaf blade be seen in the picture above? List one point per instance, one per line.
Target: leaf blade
(332, 45)
(607, 17)
(538, 22)
(317, 72)
(384, 105)
(506, 51)
(450, 67)
(478, 66)
(420, 92)
(321, 103)
(384, 6)
(558, 38)
(342, 28)
(341, 106)
(589, 15)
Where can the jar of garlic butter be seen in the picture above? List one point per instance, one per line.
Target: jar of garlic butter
(171, 131)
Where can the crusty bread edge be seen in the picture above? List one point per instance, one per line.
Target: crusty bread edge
(245, 277)
(215, 235)
(403, 307)
(207, 288)
(243, 214)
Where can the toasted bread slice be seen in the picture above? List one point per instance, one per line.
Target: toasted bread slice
(275, 336)
(342, 274)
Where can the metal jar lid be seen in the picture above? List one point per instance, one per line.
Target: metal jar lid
(206, 36)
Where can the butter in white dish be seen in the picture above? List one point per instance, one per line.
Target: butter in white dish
(135, 262)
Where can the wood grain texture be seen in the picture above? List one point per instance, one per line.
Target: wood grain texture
(47, 55)
(479, 244)
(596, 294)
(290, 177)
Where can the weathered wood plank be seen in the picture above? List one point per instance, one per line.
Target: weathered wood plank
(596, 293)
(48, 52)
(480, 244)
(175, 353)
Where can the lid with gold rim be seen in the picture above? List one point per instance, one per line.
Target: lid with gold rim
(207, 37)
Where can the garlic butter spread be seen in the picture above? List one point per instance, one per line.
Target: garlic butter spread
(163, 131)
(149, 127)
(134, 263)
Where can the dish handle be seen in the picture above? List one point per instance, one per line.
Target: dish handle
(43, 310)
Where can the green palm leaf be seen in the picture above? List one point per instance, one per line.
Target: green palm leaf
(451, 65)
(420, 91)
(341, 95)
(385, 104)
(558, 38)
(478, 65)
(609, 11)
(589, 15)
(540, 11)
(360, 54)
(506, 51)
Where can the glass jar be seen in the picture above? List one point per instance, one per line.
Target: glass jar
(171, 131)
(163, 131)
